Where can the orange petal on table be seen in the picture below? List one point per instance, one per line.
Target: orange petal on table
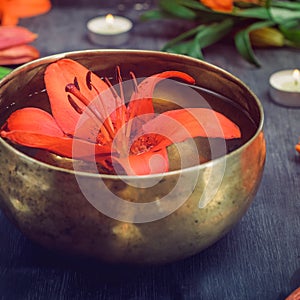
(179, 125)
(141, 100)
(15, 35)
(35, 128)
(295, 295)
(146, 163)
(12, 10)
(18, 55)
(219, 5)
(297, 147)
(63, 72)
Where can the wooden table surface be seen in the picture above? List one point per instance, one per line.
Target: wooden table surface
(258, 259)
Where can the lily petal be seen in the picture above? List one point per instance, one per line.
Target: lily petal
(62, 146)
(146, 163)
(57, 76)
(33, 119)
(33, 127)
(141, 100)
(179, 125)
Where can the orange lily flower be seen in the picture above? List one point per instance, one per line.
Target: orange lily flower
(12, 10)
(219, 5)
(297, 147)
(225, 5)
(114, 134)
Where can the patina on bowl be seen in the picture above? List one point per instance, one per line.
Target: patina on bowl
(49, 205)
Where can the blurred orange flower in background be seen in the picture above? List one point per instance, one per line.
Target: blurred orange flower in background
(14, 40)
(225, 5)
(12, 10)
(219, 5)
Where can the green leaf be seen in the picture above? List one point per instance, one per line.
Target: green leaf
(183, 36)
(255, 13)
(210, 34)
(203, 36)
(215, 25)
(268, 3)
(195, 5)
(189, 48)
(174, 8)
(291, 31)
(243, 44)
(287, 4)
(153, 15)
(281, 15)
(4, 71)
(195, 50)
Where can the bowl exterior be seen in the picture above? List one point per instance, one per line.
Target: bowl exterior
(48, 206)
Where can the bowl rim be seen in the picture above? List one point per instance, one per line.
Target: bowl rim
(210, 163)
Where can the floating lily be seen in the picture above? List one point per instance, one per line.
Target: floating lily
(88, 113)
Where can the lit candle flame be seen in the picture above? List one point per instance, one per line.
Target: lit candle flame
(109, 19)
(296, 76)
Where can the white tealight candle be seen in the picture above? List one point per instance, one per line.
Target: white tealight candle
(109, 30)
(285, 87)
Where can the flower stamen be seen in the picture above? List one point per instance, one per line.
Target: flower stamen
(88, 80)
(120, 118)
(106, 118)
(129, 122)
(75, 105)
(76, 83)
(143, 144)
(135, 84)
(132, 112)
(120, 80)
(72, 89)
(120, 109)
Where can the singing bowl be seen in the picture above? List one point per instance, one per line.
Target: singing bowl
(51, 206)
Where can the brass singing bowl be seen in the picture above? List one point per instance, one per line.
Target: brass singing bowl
(51, 205)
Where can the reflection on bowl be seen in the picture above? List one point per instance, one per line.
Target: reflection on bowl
(183, 211)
